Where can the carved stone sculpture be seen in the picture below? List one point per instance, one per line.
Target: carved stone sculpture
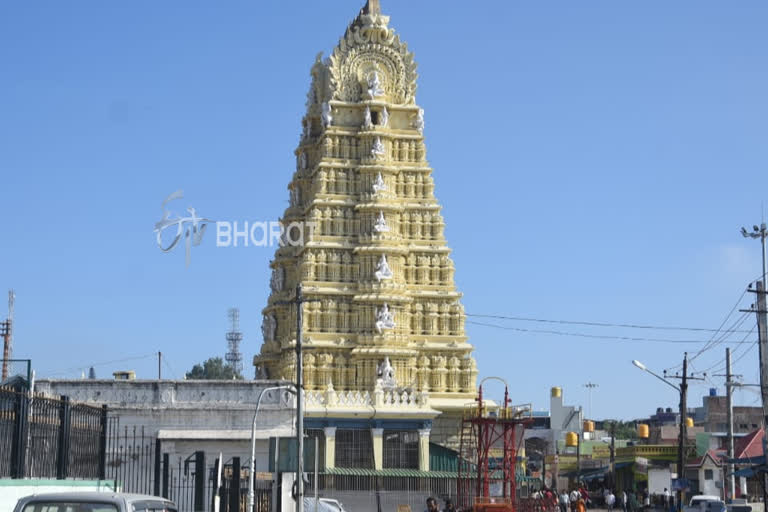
(384, 319)
(269, 327)
(277, 280)
(382, 269)
(379, 185)
(327, 115)
(380, 226)
(384, 117)
(378, 148)
(386, 374)
(419, 122)
(374, 84)
(367, 123)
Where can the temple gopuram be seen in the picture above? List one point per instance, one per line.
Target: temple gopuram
(387, 365)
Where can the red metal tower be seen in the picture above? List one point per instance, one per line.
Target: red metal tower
(490, 437)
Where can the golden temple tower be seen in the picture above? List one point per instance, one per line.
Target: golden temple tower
(364, 236)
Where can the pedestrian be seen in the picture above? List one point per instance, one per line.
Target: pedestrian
(564, 501)
(610, 500)
(432, 505)
(574, 499)
(666, 498)
(449, 506)
(624, 501)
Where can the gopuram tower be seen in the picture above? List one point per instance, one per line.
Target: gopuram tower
(383, 335)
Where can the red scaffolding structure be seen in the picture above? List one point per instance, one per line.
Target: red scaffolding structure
(490, 438)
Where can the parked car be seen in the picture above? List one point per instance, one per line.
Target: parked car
(324, 505)
(705, 503)
(94, 502)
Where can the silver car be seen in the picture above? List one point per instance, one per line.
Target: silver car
(94, 502)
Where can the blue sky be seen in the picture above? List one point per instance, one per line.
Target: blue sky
(595, 161)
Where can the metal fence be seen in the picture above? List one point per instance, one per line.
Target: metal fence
(42, 437)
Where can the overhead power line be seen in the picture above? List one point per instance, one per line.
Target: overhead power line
(597, 324)
(585, 335)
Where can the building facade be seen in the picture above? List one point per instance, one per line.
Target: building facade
(383, 329)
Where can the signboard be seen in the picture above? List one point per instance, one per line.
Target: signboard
(681, 484)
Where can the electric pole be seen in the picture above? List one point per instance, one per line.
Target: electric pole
(298, 301)
(729, 384)
(761, 233)
(683, 429)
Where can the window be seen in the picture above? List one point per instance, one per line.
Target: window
(354, 449)
(69, 506)
(401, 449)
(709, 474)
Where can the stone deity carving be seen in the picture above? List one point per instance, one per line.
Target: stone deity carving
(382, 269)
(327, 115)
(419, 122)
(379, 185)
(384, 319)
(380, 226)
(378, 148)
(386, 374)
(303, 160)
(374, 84)
(384, 117)
(277, 280)
(269, 327)
(367, 123)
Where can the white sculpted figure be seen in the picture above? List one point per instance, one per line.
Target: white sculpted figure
(303, 160)
(378, 148)
(269, 327)
(384, 319)
(386, 374)
(379, 184)
(367, 123)
(327, 115)
(382, 269)
(380, 226)
(374, 84)
(419, 122)
(277, 280)
(384, 117)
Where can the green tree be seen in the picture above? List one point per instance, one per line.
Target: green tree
(213, 368)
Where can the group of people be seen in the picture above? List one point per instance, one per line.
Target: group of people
(575, 501)
(432, 506)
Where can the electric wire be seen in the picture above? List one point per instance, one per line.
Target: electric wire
(584, 335)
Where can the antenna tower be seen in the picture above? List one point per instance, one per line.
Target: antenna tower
(6, 330)
(234, 337)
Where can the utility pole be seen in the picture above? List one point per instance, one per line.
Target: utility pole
(298, 301)
(6, 329)
(762, 331)
(729, 384)
(729, 400)
(681, 448)
(159, 372)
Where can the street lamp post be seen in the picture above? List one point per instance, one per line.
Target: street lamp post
(681, 441)
(287, 387)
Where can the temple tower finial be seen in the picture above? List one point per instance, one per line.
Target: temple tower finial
(372, 7)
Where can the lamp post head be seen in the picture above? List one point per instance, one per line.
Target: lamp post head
(639, 364)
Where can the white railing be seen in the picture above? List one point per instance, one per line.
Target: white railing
(380, 398)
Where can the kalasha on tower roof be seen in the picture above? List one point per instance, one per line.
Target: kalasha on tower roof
(365, 238)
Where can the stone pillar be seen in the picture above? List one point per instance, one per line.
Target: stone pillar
(378, 447)
(424, 449)
(330, 447)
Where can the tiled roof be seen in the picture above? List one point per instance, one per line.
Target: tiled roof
(750, 445)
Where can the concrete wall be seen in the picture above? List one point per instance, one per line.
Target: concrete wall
(189, 415)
